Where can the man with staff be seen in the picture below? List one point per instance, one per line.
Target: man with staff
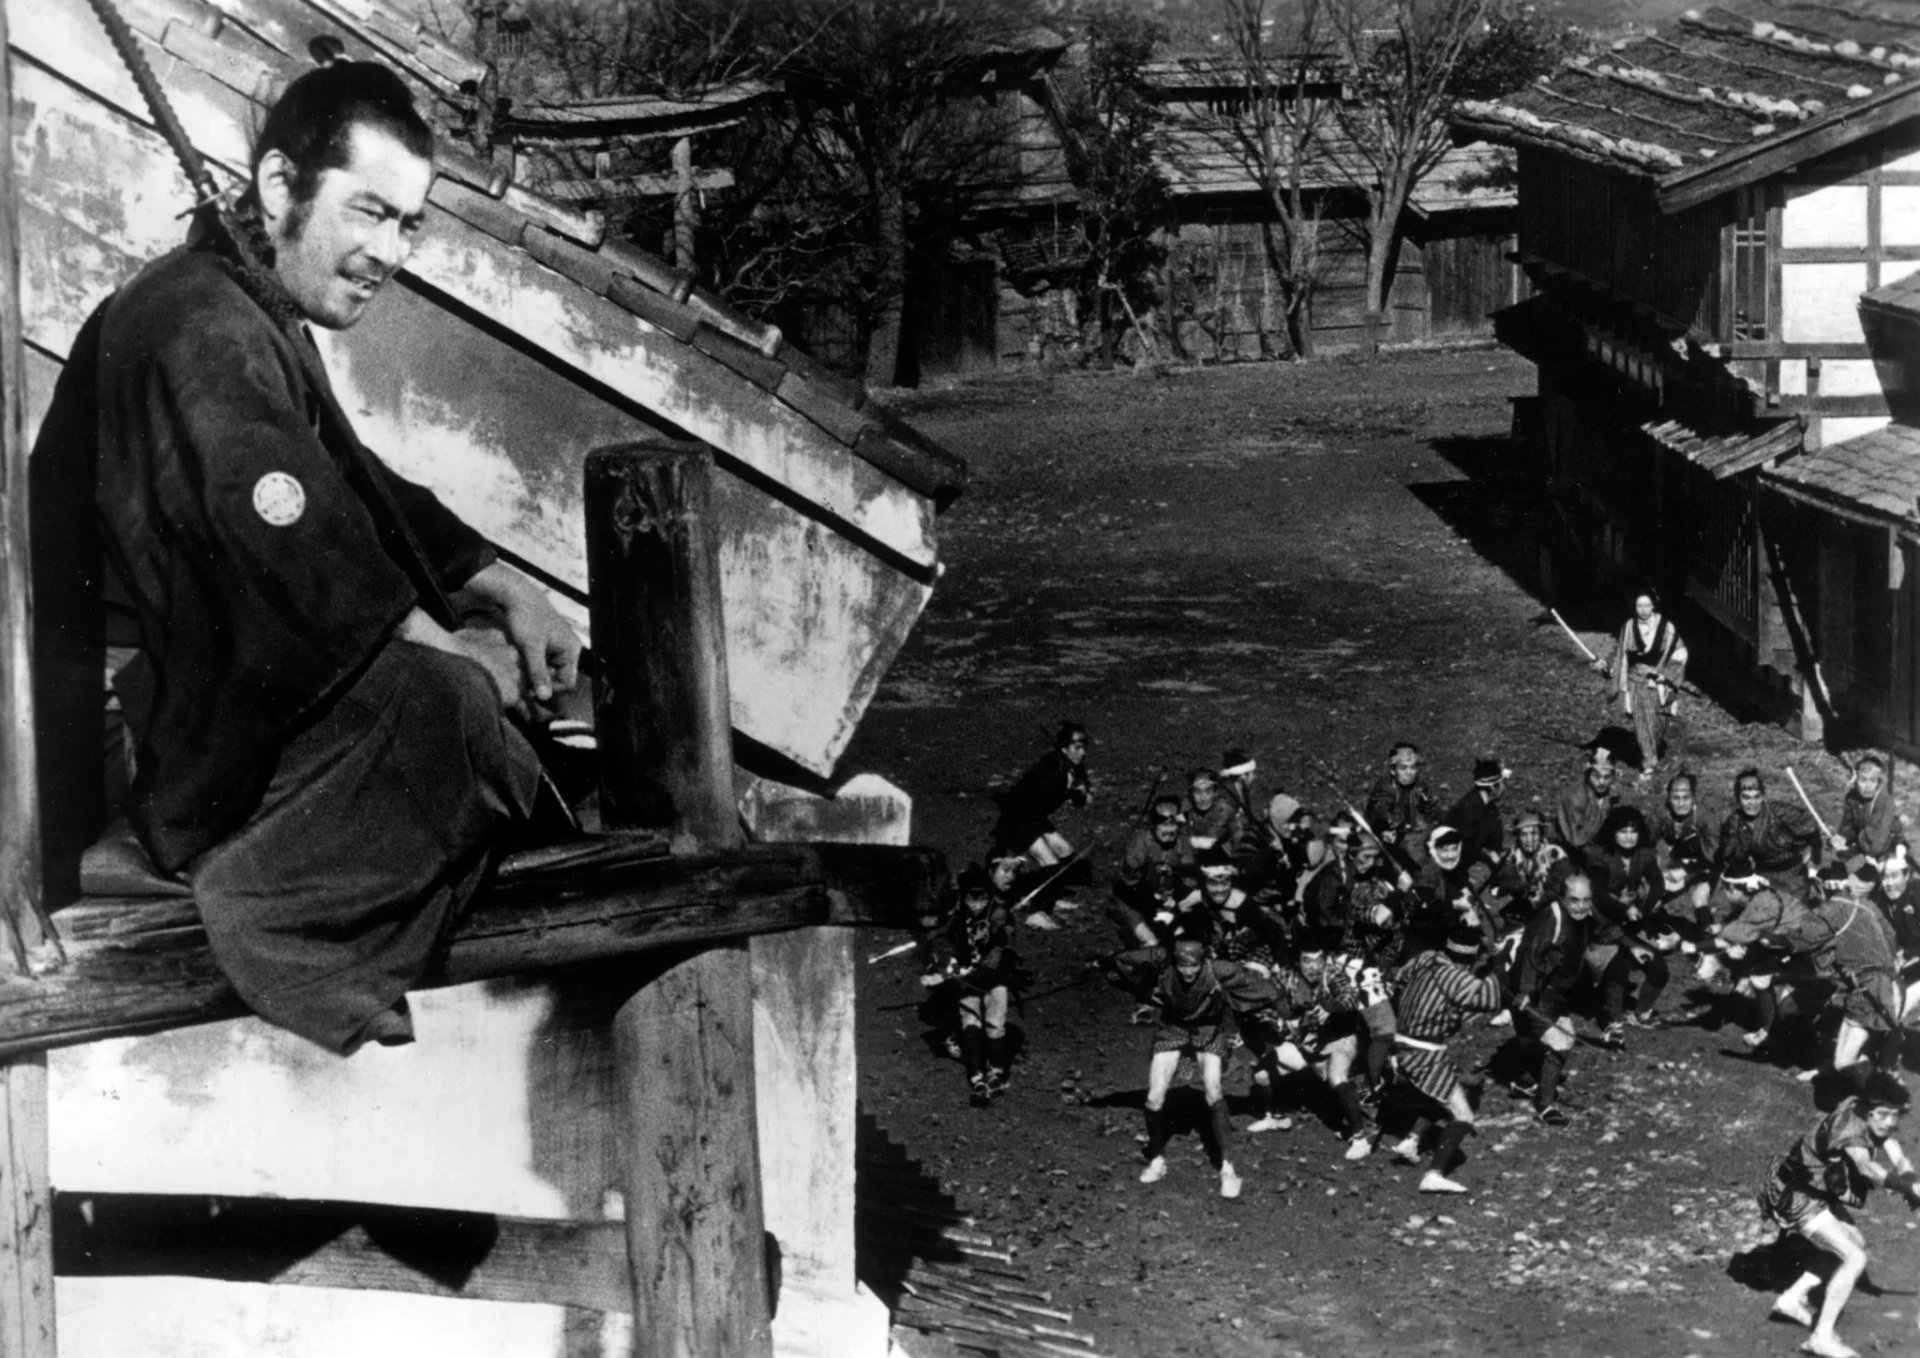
(1648, 663)
(1647, 671)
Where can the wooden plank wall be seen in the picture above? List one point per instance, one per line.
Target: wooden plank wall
(1607, 227)
(1224, 302)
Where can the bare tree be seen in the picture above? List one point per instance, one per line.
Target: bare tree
(589, 49)
(1111, 132)
(1277, 128)
(895, 136)
(1410, 60)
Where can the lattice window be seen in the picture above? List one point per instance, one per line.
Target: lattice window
(1721, 555)
(1752, 276)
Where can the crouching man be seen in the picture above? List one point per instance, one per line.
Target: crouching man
(970, 956)
(1809, 1190)
(1196, 994)
(324, 747)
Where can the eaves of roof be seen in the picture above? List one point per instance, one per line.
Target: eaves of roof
(1722, 456)
(1727, 100)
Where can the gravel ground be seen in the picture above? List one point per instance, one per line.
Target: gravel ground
(1309, 562)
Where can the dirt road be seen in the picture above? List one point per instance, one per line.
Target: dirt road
(1310, 563)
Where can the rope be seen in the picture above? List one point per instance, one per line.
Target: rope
(206, 191)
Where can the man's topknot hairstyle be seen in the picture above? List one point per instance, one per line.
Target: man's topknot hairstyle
(312, 123)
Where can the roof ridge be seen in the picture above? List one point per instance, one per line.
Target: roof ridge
(1766, 32)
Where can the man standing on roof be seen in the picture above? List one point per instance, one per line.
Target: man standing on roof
(324, 747)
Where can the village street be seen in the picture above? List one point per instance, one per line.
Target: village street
(1309, 562)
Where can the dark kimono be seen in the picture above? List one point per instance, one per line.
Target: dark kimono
(1027, 808)
(327, 789)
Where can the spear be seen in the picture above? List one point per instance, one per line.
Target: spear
(1391, 850)
(1807, 801)
(1047, 881)
(908, 946)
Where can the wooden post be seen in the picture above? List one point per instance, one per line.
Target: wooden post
(20, 906)
(26, 1215)
(684, 1040)
(686, 208)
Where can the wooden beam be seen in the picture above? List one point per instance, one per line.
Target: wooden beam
(142, 965)
(26, 1215)
(291, 1242)
(26, 1235)
(21, 912)
(1834, 405)
(683, 1042)
(661, 678)
(1738, 349)
(686, 209)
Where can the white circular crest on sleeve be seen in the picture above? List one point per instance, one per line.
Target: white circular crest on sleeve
(279, 499)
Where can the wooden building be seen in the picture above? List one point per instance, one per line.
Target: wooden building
(985, 285)
(1451, 267)
(1717, 222)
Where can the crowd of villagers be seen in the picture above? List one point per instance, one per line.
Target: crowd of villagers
(1344, 955)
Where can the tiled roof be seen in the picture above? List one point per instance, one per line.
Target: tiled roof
(520, 335)
(1878, 472)
(247, 63)
(1723, 92)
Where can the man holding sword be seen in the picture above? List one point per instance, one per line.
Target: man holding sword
(970, 956)
(1648, 663)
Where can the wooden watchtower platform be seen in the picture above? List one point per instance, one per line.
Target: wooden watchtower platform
(628, 1124)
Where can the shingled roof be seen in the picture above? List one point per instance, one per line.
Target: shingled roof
(1877, 472)
(1727, 455)
(1204, 153)
(1728, 98)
